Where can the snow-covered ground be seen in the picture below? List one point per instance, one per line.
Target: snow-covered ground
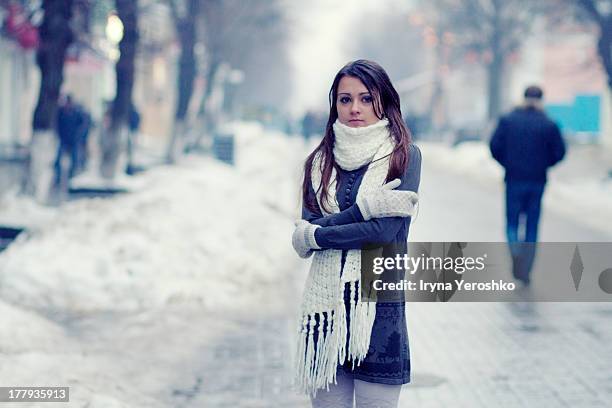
(184, 230)
(163, 265)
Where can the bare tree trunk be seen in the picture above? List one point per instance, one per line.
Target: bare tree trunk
(494, 86)
(437, 108)
(210, 79)
(605, 51)
(203, 119)
(604, 22)
(495, 70)
(604, 46)
(115, 140)
(55, 37)
(186, 29)
(604, 42)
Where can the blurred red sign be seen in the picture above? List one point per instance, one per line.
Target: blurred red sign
(19, 27)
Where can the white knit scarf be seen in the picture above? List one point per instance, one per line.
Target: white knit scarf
(323, 298)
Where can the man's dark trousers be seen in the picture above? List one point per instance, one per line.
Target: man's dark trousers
(66, 150)
(523, 198)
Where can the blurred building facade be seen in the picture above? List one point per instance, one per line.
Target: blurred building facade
(155, 80)
(19, 80)
(565, 62)
(563, 59)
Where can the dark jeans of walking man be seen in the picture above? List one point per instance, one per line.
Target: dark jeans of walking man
(526, 143)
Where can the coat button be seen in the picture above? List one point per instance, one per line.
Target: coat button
(348, 190)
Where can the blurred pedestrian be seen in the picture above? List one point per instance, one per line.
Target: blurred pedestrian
(83, 138)
(133, 127)
(357, 349)
(308, 125)
(69, 123)
(526, 143)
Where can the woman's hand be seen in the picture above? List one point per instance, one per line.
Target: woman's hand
(303, 239)
(387, 202)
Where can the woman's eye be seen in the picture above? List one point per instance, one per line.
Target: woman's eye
(345, 99)
(367, 99)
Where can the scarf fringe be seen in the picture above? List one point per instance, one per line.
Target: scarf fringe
(316, 364)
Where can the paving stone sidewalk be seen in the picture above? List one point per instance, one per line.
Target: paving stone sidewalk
(463, 355)
(510, 355)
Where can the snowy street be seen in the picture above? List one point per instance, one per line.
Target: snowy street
(465, 205)
(152, 172)
(183, 293)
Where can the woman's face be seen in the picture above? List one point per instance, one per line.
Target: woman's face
(354, 103)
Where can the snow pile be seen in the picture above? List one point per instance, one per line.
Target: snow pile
(22, 211)
(573, 189)
(201, 232)
(25, 331)
(92, 179)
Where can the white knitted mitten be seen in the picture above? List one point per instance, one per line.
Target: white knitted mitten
(303, 239)
(387, 202)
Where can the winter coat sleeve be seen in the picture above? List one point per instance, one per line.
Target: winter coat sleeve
(556, 146)
(497, 144)
(377, 230)
(347, 216)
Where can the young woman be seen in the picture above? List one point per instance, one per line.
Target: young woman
(359, 189)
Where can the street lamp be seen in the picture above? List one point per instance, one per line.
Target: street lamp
(114, 34)
(114, 29)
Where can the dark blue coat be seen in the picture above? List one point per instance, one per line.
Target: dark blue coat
(526, 143)
(388, 359)
(70, 121)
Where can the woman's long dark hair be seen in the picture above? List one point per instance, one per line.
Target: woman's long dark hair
(384, 96)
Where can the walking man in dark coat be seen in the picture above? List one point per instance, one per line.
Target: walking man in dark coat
(526, 143)
(69, 126)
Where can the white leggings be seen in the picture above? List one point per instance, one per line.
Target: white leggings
(366, 395)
